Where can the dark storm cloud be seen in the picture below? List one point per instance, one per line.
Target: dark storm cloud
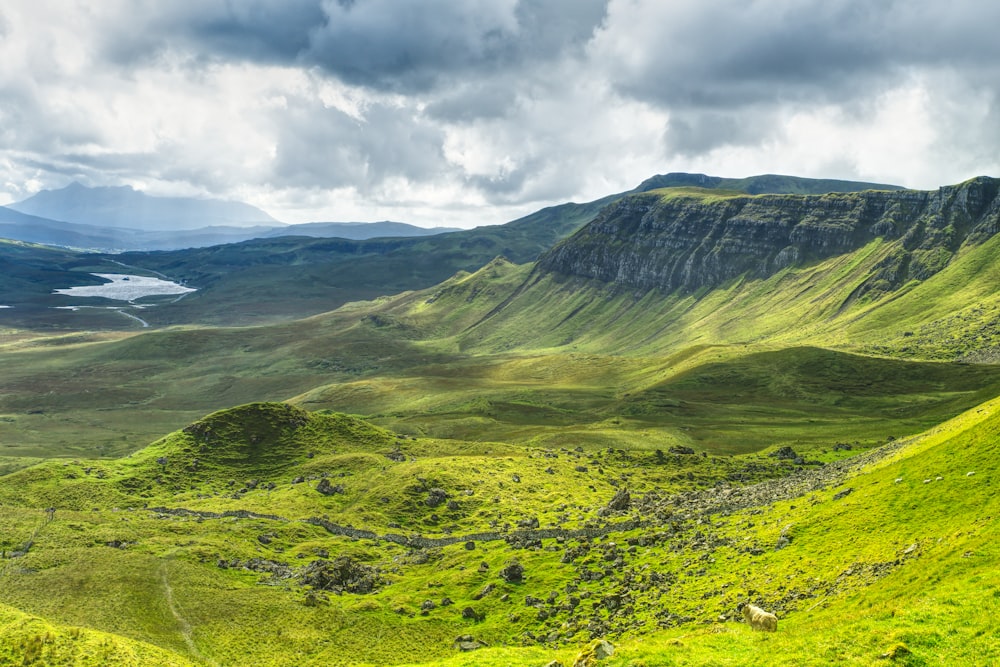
(400, 45)
(410, 46)
(268, 31)
(712, 56)
(724, 70)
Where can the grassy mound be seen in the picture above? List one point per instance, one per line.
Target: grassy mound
(27, 641)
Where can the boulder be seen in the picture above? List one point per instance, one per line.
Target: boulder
(466, 643)
(621, 501)
(512, 572)
(784, 453)
(435, 497)
(597, 650)
(328, 489)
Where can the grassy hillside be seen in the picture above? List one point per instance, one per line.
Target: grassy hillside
(507, 353)
(872, 566)
(517, 462)
(27, 640)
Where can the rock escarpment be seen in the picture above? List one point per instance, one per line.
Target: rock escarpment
(689, 239)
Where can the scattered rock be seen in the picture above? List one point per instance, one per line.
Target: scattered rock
(785, 452)
(679, 449)
(342, 575)
(843, 494)
(435, 497)
(470, 546)
(472, 615)
(328, 489)
(621, 501)
(512, 572)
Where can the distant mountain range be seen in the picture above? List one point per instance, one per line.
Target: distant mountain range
(121, 218)
(125, 207)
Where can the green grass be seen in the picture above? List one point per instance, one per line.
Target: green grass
(522, 397)
(110, 565)
(27, 640)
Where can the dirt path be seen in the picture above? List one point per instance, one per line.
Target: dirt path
(168, 594)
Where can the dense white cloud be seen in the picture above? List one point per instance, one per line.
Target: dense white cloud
(463, 113)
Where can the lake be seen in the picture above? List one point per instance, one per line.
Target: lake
(126, 287)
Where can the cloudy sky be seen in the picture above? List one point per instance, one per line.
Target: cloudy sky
(467, 112)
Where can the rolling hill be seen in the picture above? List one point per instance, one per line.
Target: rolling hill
(653, 423)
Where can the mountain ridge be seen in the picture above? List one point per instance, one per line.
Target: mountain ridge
(761, 184)
(690, 238)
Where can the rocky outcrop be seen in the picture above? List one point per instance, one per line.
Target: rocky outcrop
(703, 239)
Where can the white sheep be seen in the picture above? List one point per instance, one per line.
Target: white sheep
(758, 619)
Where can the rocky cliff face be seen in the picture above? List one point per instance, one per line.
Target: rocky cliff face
(693, 240)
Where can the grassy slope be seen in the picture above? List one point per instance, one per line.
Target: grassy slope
(637, 373)
(27, 640)
(846, 587)
(936, 607)
(413, 361)
(952, 314)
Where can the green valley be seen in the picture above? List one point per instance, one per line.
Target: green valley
(655, 408)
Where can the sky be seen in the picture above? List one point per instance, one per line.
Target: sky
(471, 112)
